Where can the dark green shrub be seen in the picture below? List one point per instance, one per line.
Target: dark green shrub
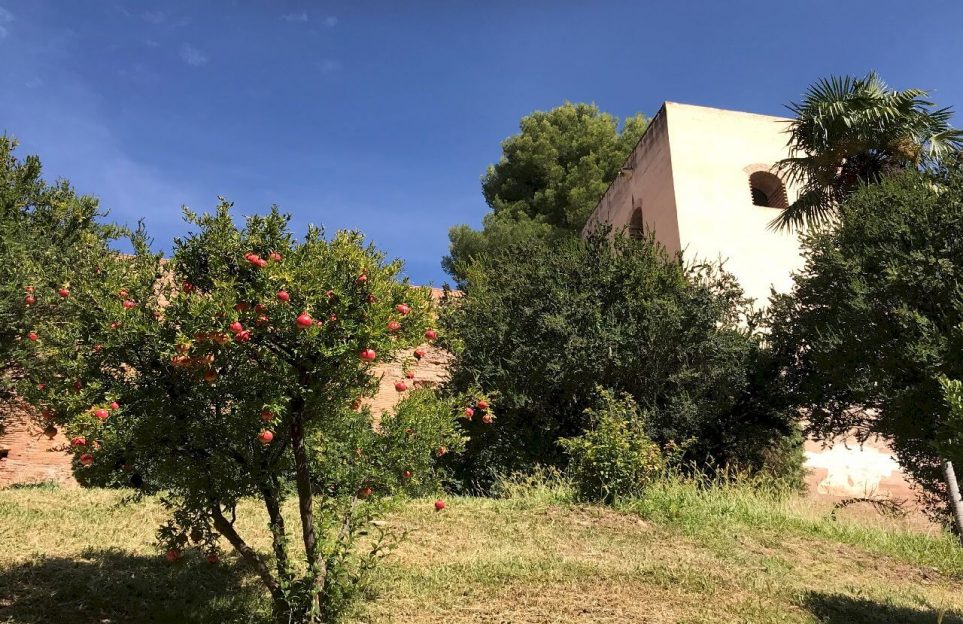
(874, 320)
(615, 457)
(539, 329)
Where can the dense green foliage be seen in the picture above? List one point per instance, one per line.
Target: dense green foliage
(548, 180)
(541, 327)
(849, 131)
(47, 232)
(614, 458)
(874, 319)
(234, 370)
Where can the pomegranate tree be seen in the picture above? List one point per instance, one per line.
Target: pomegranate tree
(48, 234)
(236, 370)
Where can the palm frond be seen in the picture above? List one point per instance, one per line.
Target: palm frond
(847, 130)
(813, 207)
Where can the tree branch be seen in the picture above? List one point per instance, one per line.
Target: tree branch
(285, 354)
(247, 553)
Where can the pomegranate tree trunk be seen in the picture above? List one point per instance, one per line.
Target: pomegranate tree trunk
(248, 554)
(278, 535)
(306, 509)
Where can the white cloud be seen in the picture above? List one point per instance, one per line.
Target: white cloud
(192, 56)
(150, 43)
(295, 17)
(139, 73)
(328, 66)
(331, 21)
(64, 124)
(154, 17)
(6, 18)
(34, 83)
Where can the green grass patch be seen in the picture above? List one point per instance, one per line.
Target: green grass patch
(721, 514)
(681, 553)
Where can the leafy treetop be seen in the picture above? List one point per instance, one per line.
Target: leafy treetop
(548, 180)
(45, 231)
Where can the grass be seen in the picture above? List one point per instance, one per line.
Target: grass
(679, 554)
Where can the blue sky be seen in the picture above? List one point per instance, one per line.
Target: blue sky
(382, 116)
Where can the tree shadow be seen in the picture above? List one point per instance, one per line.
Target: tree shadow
(841, 609)
(115, 587)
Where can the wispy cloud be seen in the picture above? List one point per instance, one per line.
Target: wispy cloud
(192, 56)
(139, 74)
(328, 66)
(150, 43)
(331, 21)
(34, 83)
(66, 125)
(154, 17)
(121, 9)
(6, 18)
(295, 17)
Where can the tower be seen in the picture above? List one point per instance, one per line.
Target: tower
(701, 180)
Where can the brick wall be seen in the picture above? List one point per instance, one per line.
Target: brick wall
(29, 452)
(430, 371)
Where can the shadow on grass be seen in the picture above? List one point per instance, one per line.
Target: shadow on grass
(840, 609)
(116, 587)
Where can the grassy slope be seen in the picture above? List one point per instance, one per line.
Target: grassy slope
(678, 555)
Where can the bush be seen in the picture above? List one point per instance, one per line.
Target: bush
(235, 370)
(614, 458)
(539, 329)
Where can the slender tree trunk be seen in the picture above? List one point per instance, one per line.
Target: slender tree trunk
(247, 553)
(953, 490)
(278, 533)
(306, 509)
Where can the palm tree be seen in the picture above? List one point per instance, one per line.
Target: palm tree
(848, 131)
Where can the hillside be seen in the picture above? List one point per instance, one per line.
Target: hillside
(678, 555)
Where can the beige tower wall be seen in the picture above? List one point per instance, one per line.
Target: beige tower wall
(645, 182)
(713, 152)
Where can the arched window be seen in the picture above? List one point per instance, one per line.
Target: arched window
(636, 224)
(767, 190)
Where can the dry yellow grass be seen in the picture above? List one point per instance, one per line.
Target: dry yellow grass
(678, 555)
